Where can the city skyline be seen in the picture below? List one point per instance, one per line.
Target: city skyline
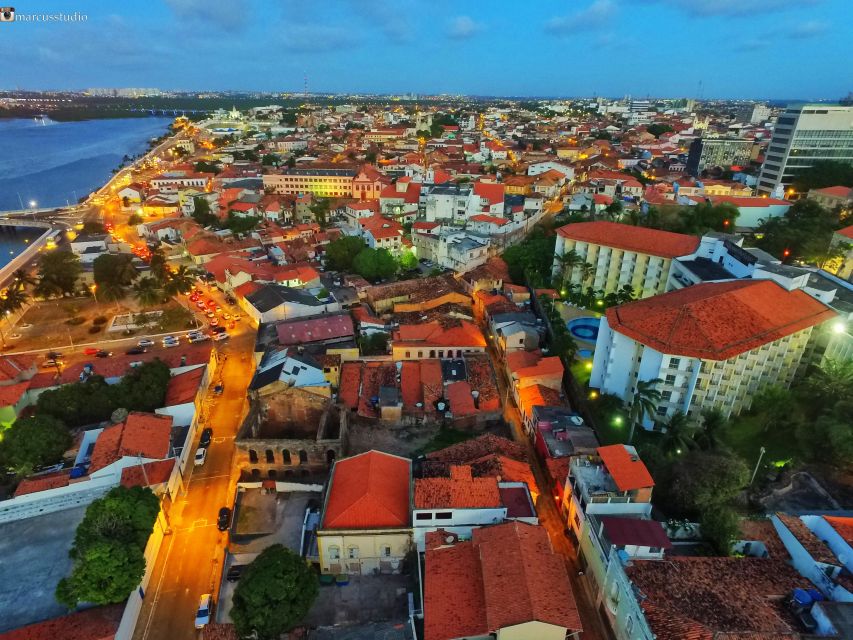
(458, 48)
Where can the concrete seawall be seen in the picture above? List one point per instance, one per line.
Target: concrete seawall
(32, 250)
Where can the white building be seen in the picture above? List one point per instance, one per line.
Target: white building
(451, 202)
(713, 345)
(89, 247)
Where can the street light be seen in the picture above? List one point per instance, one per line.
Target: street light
(761, 453)
(33, 204)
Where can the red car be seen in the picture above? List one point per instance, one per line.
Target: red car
(211, 304)
(90, 351)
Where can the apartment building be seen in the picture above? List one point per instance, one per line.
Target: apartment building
(621, 254)
(321, 181)
(717, 152)
(805, 134)
(713, 345)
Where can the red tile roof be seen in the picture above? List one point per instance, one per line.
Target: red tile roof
(314, 329)
(844, 527)
(142, 434)
(14, 368)
(460, 491)
(626, 469)
(471, 450)
(183, 387)
(370, 490)
(815, 547)
(630, 238)
(493, 192)
(34, 484)
(99, 623)
(10, 395)
(157, 472)
(463, 334)
(718, 320)
(634, 531)
(460, 399)
(537, 395)
(350, 384)
(508, 574)
(838, 191)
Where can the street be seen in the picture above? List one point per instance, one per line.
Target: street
(190, 560)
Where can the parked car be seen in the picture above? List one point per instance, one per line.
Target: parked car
(206, 437)
(205, 606)
(54, 355)
(145, 342)
(51, 363)
(234, 572)
(224, 519)
(200, 456)
(218, 329)
(210, 314)
(199, 338)
(90, 351)
(171, 341)
(222, 335)
(213, 322)
(103, 354)
(135, 351)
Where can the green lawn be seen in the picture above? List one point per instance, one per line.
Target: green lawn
(745, 436)
(580, 372)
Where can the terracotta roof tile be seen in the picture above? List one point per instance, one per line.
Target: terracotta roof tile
(99, 623)
(460, 399)
(844, 527)
(475, 448)
(370, 490)
(183, 387)
(630, 238)
(350, 384)
(718, 320)
(34, 484)
(816, 548)
(142, 434)
(460, 491)
(315, 329)
(157, 472)
(626, 469)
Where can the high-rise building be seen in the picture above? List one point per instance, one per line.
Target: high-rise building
(753, 113)
(717, 152)
(805, 134)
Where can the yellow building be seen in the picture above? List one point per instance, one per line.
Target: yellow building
(619, 255)
(327, 182)
(365, 526)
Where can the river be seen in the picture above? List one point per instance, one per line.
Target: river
(56, 163)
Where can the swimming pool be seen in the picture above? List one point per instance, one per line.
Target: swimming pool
(585, 353)
(584, 328)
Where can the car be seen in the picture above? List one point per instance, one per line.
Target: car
(135, 351)
(171, 341)
(210, 314)
(145, 342)
(224, 519)
(226, 316)
(194, 333)
(217, 329)
(234, 572)
(200, 304)
(206, 437)
(200, 338)
(222, 335)
(237, 317)
(90, 351)
(103, 354)
(50, 362)
(214, 322)
(211, 304)
(200, 456)
(202, 615)
(218, 309)
(54, 355)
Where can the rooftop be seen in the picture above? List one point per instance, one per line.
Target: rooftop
(630, 238)
(142, 434)
(460, 491)
(625, 467)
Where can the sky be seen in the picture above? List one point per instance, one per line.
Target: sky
(761, 49)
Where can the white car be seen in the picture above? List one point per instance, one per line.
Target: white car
(220, 336)
(145, 342)
(200, 456)
(202, 616)
(199, 338)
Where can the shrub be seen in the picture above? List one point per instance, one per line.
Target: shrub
(75, 321)
(100, 320)
(95, 329)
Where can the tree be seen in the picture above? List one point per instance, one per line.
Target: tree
(678, 437)
(341, 253)
(408, 261)
(206, 167)
(24, 277)
(93, 227)
(532, 258)
(720, 526)
(201, 212)
(805, 224)
(113, 274)
(713, 423)
(13, 298)
(274, 593)
(157, 265)
(613, 211)
(241, 224)
(826, 384)
(271, 159)
(824, 173)
(375, 264)
(134, 219)
(178, 281)
(143, 388)
(33, 442)
(702, 480)
(374, 344)
(567, 263)
(320, 210)
(657, 129)
(644, 404)
(109, 545)
(774, 405)
(147, 291)
(58, 273)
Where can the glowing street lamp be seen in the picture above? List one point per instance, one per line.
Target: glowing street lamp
(839, 327)
(33, 204)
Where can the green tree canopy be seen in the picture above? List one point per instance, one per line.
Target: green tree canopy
(147, 291)
(824, 173)
(274, 593)
(703, 480)
(657, 129)
(804, 226)
(58, 273)
(341, 253)
(109, 546)
(534, 257)
(113, 274)
(374, 344)
(201, 212)
(375, 264)
(33, 442)
(408, 260)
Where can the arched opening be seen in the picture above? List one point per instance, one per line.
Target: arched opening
(303, 456)
(288, 473)
(304, 473)
(330, 457)
(285, 457)
(253, 456)
(270, 456)
(256, 474)
(271, 474)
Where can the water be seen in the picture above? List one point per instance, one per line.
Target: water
(57, 163)
(13, 240)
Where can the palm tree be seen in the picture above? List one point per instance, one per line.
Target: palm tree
(713, 422)
(567, 264)
(645, 403)
(147, 291)
(14, 298)
(587, 271)
(24, 277)
(625, 294)
(832, 380)
(178, 281)
(678, 436)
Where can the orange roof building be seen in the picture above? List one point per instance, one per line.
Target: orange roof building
(434, 339)
(712, 345)
(365, 525)
(142, 435)
(506, 576)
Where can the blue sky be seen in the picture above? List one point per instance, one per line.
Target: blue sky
(736, 48)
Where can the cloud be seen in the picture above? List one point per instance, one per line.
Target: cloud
(317, 38)
(221, 14)
(708, 8)
(463, 27)
(805, 30)
(596, 16)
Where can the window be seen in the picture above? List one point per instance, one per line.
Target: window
(674, 362)
(303, 456)
(670, 379)
(253, 456)
(423, 516)
(661, 411)
(443, 515)
(285, 456)
(352, 553)
(666, 396)
(334, 552)
(629, 625)
(657, 549)
(386, 552)
(270, 456)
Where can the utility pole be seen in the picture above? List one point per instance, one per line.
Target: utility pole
(762, 451)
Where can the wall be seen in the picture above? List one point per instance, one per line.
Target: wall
(461, 521)
(52, 500)
(182, 414)
(533, 629)
(370, 547)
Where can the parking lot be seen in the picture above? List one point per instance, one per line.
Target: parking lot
(34, 556)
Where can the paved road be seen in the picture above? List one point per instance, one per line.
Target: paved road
(190, 560)
(550, 517)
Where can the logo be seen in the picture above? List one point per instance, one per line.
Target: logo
(7, 14)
